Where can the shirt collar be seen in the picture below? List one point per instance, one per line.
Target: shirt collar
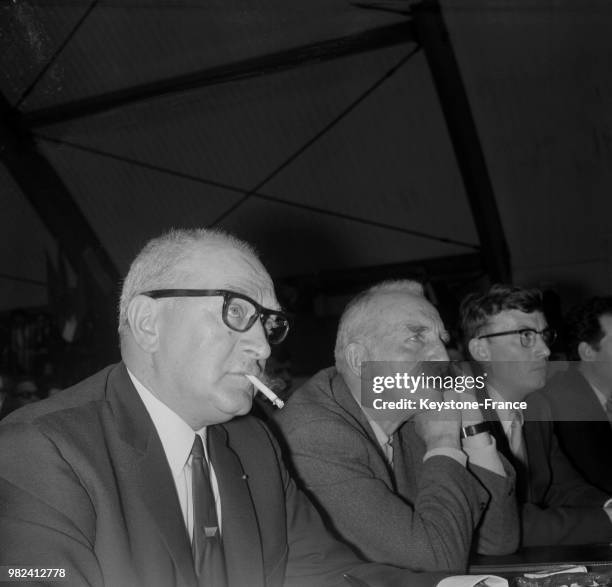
(382, 437)
(600, 395)
(175, 434)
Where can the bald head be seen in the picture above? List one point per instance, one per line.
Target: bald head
(160, 264)
(187, 350)
(359, 319)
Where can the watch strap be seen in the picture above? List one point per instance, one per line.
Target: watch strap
(474, 429)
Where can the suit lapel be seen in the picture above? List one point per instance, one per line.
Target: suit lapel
(150, 473)
(587, 399)
(407, 458)
(241, 539)
(159, 495)
(354, 414)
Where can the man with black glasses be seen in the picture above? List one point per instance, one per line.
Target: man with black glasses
(149, 473)
(507, 335)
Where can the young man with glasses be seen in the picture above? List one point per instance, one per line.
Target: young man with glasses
(507, 335)
(149, 474)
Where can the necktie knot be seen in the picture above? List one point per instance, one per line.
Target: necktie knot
(517, 418)
(197, 450)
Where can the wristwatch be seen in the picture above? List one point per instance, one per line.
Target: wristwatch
(474, 429)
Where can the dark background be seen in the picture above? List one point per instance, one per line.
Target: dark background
(458, 143)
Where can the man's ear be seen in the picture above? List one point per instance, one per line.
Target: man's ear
(586, 352)
(479, 349)
(355, 353)
(142, 315)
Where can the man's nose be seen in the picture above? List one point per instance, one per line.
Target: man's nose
(256, 341)
(541, 349)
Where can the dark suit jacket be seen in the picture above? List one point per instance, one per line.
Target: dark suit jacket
(421, 515)
(85, 485)
(581, 425)
(557, 506)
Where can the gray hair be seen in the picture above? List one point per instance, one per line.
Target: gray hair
(359, 321)
(157, 266)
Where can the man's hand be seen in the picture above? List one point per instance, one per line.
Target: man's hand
(439, 429)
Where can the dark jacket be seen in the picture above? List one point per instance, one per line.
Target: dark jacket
(581, 425)
(424, 515)
(556, 505)
(85, 486)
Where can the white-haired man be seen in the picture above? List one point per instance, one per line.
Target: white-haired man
(110, 482)
(399, 490)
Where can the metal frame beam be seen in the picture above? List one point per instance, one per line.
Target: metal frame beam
(377, 38)
(427, 28)
(430, 31)
(49, 196)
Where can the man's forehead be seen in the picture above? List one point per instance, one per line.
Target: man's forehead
(517, 319)
(399, 306)
(225, 267)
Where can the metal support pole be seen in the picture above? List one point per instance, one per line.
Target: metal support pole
(431, 33)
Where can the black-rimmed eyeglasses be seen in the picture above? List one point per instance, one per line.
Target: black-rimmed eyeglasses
(528, 336)
(239, 312)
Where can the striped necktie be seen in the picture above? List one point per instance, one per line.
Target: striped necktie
(207, 545)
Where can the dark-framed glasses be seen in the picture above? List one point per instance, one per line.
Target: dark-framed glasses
(528, 336)
(239, 312)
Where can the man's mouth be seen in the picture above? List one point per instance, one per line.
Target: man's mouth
(253, 370)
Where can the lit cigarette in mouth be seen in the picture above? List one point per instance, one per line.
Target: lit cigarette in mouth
(277, 401)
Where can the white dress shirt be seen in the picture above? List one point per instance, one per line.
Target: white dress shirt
(507, 419)
(505, 416)
(177, 439)
(602, 397)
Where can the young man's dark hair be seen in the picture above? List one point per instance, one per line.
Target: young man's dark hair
(477, 308)
(583, 325)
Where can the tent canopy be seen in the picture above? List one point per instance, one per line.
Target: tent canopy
(313, 130)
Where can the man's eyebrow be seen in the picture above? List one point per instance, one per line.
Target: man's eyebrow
(421, 328)
(241, 290)
(418, 328)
